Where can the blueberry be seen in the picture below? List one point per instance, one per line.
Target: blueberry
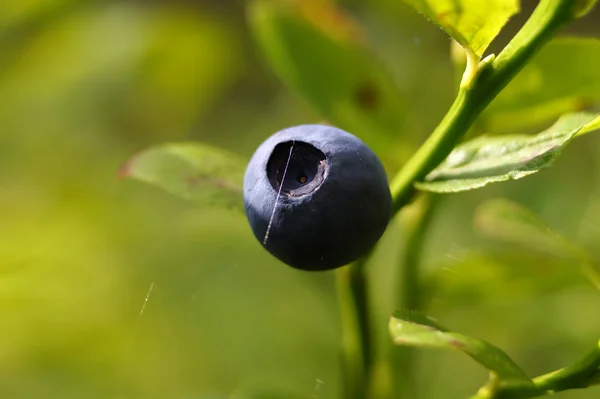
(316, 197)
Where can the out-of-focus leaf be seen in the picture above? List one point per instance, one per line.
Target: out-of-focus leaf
(506, 220)
(191, 171)
(319, 52)
(562, 77)
(409, 328)
(497, 274)
(583, 7)
(472, 23)
(141, 68)
(486, 160)
(186, 68)
(16, 12)
(503, 219)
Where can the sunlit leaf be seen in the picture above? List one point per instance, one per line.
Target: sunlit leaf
(472, 23)
(590, 127)
(509, 221)
(410, 328)
(191, 171)
(562, 77)
(320, 53)
(486, 160)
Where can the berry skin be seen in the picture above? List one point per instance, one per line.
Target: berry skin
(334, 203)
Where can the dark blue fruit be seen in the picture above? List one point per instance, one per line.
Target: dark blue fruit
(316, 197)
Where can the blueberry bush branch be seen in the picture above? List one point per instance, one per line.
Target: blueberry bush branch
(581, 374)
(356, 330)
(294, 37)
(409, 279)
(409, 283)
(578, 375)
(483, 84)
(493, 74)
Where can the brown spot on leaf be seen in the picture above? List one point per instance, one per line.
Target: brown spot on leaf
(125, 169)
(581, 105)
(443, 15)
(367, 96)
(457, 344)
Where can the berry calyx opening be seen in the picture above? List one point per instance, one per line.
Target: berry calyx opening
(296, 168)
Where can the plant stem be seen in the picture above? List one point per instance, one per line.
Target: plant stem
(489, 78)
(493, 76)
(356, 331)
(434, 150)
(402, 358)
(409, 278)
(582, 374)
(574, 376)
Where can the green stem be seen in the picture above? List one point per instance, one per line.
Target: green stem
(571, 377)
(409, 278)
(493, 76)
(489, 78)
(402, 358)
(434, 150)
(356, 331)
(582, 374)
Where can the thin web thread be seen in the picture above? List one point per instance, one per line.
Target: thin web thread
(138, 320)
(266, 238)
(146, 299)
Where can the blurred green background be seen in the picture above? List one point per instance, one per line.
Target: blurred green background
(85, 84)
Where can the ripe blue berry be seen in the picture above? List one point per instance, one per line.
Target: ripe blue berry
(316, 197)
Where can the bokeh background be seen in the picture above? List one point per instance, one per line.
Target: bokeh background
(85, 84)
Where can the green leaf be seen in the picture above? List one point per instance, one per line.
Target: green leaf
(192, 171)
(486, 160)
(508, 221)
(409, 328)
(320, 53)
(496, 274)
(472, 23)
(562, 77)
(590, 127)
(583, 7)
